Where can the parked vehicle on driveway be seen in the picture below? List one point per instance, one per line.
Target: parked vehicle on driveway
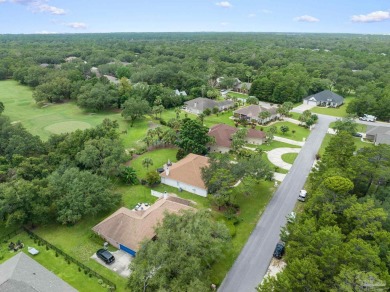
(367, 118)
(105, 256)
(302, 196)
(357, 135)
(279, 250)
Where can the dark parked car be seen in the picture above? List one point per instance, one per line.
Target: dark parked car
(105, 256)
(357, 135)
(279, 250)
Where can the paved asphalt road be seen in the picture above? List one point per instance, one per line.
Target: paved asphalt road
(253, 261)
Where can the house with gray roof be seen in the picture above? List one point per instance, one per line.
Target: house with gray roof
(378, 134)
(251, 113)
(23, 274)
(200, 104)
(324, 98)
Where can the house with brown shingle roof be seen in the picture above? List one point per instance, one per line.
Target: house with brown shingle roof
(200, 104)
(223, 137)
(126, 229)
(186, 174)
(251, 113)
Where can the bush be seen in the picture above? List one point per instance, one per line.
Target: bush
(152, 178)
(207, 112)
(180, 154)
(163, 122)
(141, 150)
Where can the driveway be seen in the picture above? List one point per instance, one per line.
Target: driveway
(275, 156)
(253, 261)
(301, 108)
(121, 264)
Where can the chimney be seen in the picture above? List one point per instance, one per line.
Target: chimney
(165, 195)
(195, 104)
(167, 171)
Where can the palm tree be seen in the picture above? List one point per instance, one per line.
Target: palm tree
(146, 162)
(264, 115)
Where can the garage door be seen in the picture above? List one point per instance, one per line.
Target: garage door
(311, 102)
(128, 250)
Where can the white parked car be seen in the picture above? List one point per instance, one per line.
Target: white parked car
(302, 196)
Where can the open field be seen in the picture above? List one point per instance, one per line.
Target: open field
(336, 112)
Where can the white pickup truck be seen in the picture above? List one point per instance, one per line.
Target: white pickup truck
(367, 118)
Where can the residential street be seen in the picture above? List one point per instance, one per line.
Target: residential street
(252, 263)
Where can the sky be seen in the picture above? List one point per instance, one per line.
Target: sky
(94, 16)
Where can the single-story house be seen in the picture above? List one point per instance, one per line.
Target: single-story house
(126, 229)
(186, 174)
(378, 134)
(22, 273)
(198, 105)
(251, 113)
(242, 87)
(223, 137)
(324, 98)
(112, 79)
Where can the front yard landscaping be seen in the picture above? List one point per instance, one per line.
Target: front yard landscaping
(331, 111)
(298, 134)
(289, 157)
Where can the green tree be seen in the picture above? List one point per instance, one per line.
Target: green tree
(152, 178)
(263, 116)
(346, 124)
(284, 129)
(134, 109)
(128, 175)
(146, 162)
(180, 258)
(80, 193)
(238, 139)
(193, 137)
(252, 100)
(2, 107)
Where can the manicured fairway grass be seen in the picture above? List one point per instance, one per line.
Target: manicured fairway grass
(336, 112)
(54, 118)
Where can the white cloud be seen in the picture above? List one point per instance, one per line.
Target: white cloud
(251, 15)
(306, 18)
(76, 25)
(40, 6)
(224, 4)
(50, 9)
(45, 32)
(2, 1)
(266, 11)
(371, 17)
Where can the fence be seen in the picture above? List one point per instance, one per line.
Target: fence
(8, 236)
(67, 257)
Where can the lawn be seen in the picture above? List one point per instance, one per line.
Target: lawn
(237, 94)
(221, 118)
(274, 144)
(252, 206)
(58, 265)
(336, 112)
(359, 144)
(298, 135)
(52, 119)
(361, 128)
(159, 158)
(289, 157)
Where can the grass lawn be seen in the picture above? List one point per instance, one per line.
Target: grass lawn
(289, 157)
(58, 265)
(336, 112)
(221, 118)
(359, 144)
(300, 132)
(159, 157)
(251, 207)
(237, 94)
(294, 115)
(361, 128)
(55, 118)
(274, 144)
